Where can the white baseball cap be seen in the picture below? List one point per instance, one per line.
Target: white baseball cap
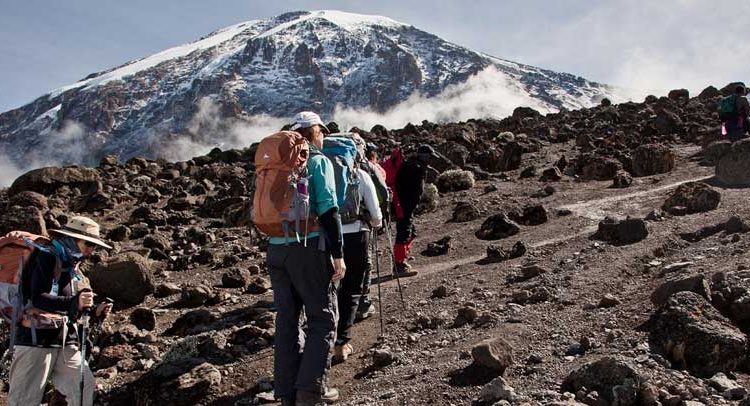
(307, 119)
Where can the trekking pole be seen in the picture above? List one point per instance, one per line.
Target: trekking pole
(377, 271)
(393, 261)
(86, 314)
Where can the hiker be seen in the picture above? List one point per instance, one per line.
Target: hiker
(733, 112)
(358, 264)
(303, 262)
(53, 289)
(408, 184)
(377, 174)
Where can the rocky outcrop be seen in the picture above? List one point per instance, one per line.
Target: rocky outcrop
(692, 197)
(695, 336)
(126, 279)
(733, 169)
(652, 159)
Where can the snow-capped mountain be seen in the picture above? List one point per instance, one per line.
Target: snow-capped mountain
(297, 61)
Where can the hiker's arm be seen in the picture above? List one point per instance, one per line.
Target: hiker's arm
(323, 191)
(330, 221)
(371, 199)
(42, 273)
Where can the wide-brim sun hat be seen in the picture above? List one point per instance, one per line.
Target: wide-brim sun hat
(308, 119)
(83, 228)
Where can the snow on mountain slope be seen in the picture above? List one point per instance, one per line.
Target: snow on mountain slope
(219, 89)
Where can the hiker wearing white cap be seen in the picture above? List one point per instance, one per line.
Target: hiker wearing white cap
(304, 263)
(55, 296)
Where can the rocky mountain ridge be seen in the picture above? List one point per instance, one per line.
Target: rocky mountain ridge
(208, 91)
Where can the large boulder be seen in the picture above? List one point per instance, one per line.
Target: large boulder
(126, 279)
(185, 381)
(731, 295)
(530, 215)
(667, 122)
(594, 167)
(626, 231)
(652, 159)
(455, 180)
(695, 336)
(696, 283)
(713, 152)
(692, 197)
(733, 168)
(615, 381)
(48, 180)
(464, 211)
(497, 227)
(28, 218)
(29, 198)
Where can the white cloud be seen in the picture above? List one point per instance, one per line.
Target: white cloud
(8, 171)
(487, 94)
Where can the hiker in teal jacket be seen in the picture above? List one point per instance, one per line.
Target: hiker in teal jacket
(303, 272)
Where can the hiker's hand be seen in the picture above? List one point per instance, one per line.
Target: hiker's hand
(102, 311)
(85, 300)
(339, 269)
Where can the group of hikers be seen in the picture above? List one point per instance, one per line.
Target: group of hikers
(322, 200)
(734, 113)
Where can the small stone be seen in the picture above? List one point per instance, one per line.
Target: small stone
(440, 292)
(497, 390)
(383, 358)
(609, 300)
(495, 353)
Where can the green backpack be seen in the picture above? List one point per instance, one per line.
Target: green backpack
(728, 108)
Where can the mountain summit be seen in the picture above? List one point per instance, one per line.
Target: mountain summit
(318, 60)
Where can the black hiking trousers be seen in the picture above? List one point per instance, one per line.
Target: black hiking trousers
(301, 278)
(352, 287)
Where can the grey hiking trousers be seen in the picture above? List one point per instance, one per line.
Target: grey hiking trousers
(301, 278)
(32, 366)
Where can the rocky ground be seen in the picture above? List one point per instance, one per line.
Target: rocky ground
(597, 256)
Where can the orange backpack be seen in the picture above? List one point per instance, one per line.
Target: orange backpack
(14, 253)
(281, 205)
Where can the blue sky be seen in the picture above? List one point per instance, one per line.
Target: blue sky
(633, 43)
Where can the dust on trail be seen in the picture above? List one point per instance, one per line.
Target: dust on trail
(589, 209)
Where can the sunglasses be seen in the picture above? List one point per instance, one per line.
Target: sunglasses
(89, 244)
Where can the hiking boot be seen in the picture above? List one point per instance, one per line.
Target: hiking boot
(366, 312)
(331, 395)
(402, 270)
(341, 353)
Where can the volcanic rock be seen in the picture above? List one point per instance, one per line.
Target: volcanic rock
(626, 231)
(28, 218)
(652, 159)
(47, 181)
(236, 278)
(143, 318)
(464, 212)
(437, 248)
(29, 198)
(615, 381)
(714, 151)
(622, 180)
(190, 322)
(455, 180)
(195, 296)
(494, 353)
(497, 227)
(126, 278)
(696, 283)
(733, 168)
(552, 174)
(530, 216)
(695, 336)
(695, 197)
